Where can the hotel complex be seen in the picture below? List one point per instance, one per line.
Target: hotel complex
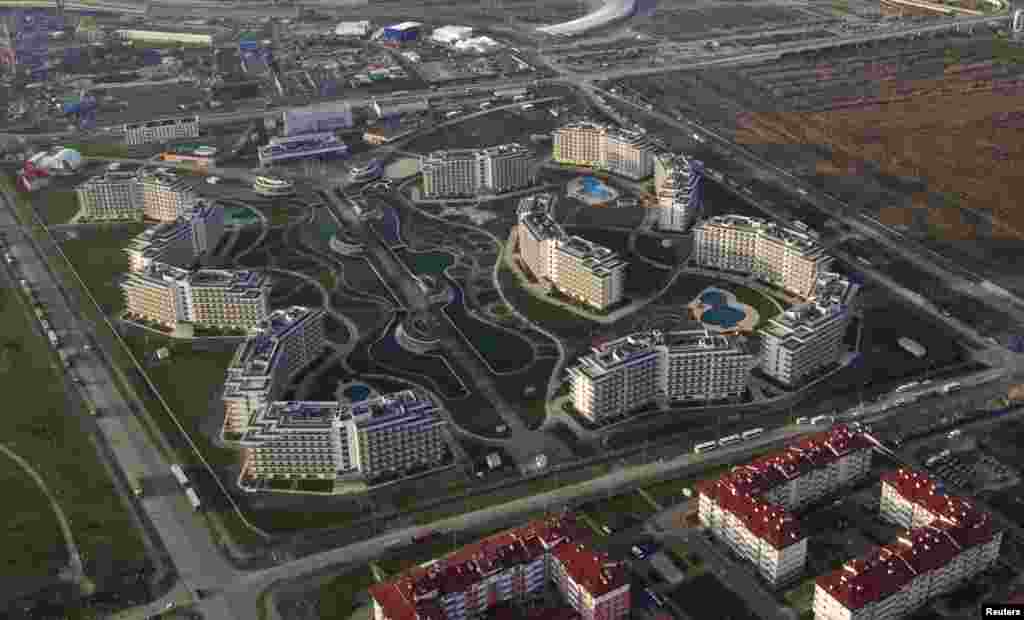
(750, 507)
(165, 130)
(621, 375)
(948, 541)
(783, 257)
(586, 272)
(209, 297)
(808, 338)
(390, 434)
(467, 172)
(679, 186)
(178, 242)
(155, 194)
(110, 196)
(280, 346)
(602, 147)
(513, 566)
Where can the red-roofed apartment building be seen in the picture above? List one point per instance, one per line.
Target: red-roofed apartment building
(509, 566)
(749, 507)
(951, 542)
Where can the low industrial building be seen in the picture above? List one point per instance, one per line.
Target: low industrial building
(583, 271)
(750, 508)
(948, 541)
(156, 36)
(305, 146)
(357, 29)
(384, 436)
(317, 119)
(513, 566)
(405, 31)
(201, 157)
(621, 375)
(162, 130)
(449, 35)
(279, 347)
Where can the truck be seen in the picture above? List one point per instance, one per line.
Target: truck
(949, 388)
(179, 474)
(193, 498)
(52, 336)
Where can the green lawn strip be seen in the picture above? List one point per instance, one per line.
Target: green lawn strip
(801, 598)
(650, 500)
(326, 278)
(57, 206)
(42, 428)
(670, 492)
(101, 149)
(631, 503)
(31, 539)
(591, 522)
(502, 496)
(98, 257)
(339, 597)
(290, 521)
(765, 306)
(277, 215)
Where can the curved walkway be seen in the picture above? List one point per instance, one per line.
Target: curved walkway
(74, 557)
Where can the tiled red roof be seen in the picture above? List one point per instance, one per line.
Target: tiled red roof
(768, 521)
(416, 592)
(861, 581)
(592, 571)
(964, 521)
(925, 549)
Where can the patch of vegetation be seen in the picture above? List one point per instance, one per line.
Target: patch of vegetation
(339, 597)
(98, 256)
(766, 307)
(101, 149)
(57, 206)
(801, 598)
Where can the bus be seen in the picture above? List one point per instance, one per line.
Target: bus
(907, 386)
(754, 432)
(802, 420)
(193, 498)
(822, 419)
(949, 388)
(707, 446)
(179, 474)
(731, 439)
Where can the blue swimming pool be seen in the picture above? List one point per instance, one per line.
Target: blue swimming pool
(356, 393)
(723, 316)
(713, 298)
(594, 187)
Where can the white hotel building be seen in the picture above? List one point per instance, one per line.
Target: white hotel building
(808, 338)
(947, 543)
(278, 348)
(468, 172)
(679, 187)
(165, 195)
(619, 151)
(164, 130)
(619, 376)
(784, 257)
(110, 196)
(750, 508)
(389, 434)
(180, 241)
(207, 297)
(584, 271)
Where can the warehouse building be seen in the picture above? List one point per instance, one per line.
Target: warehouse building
(327, 117)
(163, 130)
(357, 29)
(405, 31)
(449, 35)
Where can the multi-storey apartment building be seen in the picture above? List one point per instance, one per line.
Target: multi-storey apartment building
(390, 434)
(750, 507)
(788, 258)
(208, 297)
(110, 196)
(165, 195)
(467, 172)
(802, 341)
(180, 241)
(948, 542)
(624, 374)
(511, 566)
(164, 130)
(618, 151)
(679, 186)
(279, 347)
(577, 268)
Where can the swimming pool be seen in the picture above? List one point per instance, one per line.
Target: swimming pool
(713, 298)
(725, 317)
(594, 187)
(356, 393)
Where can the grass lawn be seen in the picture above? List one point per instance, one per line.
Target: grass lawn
(671, 491)
(339, 597)
(100, 149)
(278, 215)
(98, 258)
(801, 598)
(57, 206)
(41, 426)
(765, 306)
(558, 320)
(326, 278)
(609, 510)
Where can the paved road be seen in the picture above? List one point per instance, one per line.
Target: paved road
(74, 557)
(196, 556)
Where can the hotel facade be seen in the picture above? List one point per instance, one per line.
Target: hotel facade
(287, 341)
(784, 257)
(948, 541)
(510, 567)
(165, 195)
(195, 233)
(207, 297)
(583, 271)
(750, 508)
(110, 196)
(468, 172)
(679, 187)
(390, 434)
(618, 151)
(623, 374)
